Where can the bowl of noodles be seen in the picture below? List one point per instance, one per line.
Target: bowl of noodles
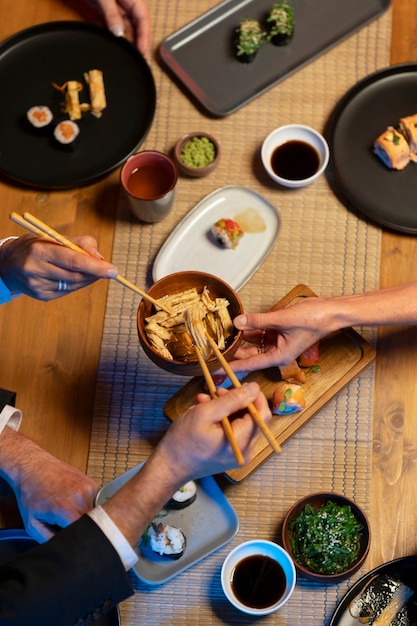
(198, 304)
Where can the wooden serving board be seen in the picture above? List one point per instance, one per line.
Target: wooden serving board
(343, 355)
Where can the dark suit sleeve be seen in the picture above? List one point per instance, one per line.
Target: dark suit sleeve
(71, 579)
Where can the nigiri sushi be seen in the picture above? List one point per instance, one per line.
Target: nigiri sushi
(167, 540)
(227, 232)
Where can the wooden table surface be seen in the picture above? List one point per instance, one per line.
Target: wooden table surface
(50, 352)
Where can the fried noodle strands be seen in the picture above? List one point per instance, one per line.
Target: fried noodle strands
(192, 316)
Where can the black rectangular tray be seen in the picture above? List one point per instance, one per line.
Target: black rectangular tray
(201, 54)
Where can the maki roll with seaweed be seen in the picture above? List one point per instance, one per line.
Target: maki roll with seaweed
(184, 496)
(39, 116)
(66, 132)
(249, 37)
(281, 23)
(167, 540)
(227, 232)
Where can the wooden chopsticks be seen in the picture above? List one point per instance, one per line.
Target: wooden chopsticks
(251, 408)
(34, 225)
(225, 421)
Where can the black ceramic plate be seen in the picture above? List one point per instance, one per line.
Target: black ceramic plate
(201, 54)
(386, 196)
(404, 569)
(30, 62)
(15, 542)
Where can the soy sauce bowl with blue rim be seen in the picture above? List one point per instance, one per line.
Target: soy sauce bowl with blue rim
(285, 582)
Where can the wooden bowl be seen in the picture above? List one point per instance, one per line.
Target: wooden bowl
(317, 500)
(175, 283)
(196, 171)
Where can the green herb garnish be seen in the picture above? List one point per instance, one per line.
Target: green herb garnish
(326, 540)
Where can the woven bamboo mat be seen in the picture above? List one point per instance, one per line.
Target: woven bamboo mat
(321, 244)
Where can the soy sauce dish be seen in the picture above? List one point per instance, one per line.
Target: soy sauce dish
(295, 155)
(258, 577)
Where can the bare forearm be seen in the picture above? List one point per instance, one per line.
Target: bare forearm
(134, 506)
(397, 305)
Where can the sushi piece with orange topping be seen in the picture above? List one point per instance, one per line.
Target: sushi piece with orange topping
(39, 116)
(287, 398)
(66, 132)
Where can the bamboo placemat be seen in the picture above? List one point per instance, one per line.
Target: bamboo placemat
(320, 244)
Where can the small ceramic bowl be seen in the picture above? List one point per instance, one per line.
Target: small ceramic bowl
(175, 283)
(196, 171)
(277, 586)
(295, 155)
(317, 500)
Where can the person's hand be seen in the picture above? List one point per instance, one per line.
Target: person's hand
(128, 18)
(279, 337)
(46, 270)
(49, 492)
(195, 445)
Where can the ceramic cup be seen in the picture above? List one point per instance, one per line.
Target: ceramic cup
(148, 179)
(252, 591)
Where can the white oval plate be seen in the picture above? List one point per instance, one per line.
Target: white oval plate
(189, 246)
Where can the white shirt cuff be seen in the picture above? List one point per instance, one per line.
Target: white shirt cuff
(127, 554)
(10, 417)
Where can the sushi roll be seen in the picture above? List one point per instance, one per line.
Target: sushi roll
(167, 540)
(408, 127)
(66, 132)
(392, 148)
(39, 116)
(287, 398)
(249, 37)
(227, 232)
(184, 496)
(281, 23)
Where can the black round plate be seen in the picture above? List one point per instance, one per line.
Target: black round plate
(15, 542)
(404, 569)
(56, 52)
(388, 197)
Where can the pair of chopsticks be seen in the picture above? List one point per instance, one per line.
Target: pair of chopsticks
(236, 383)
(36, 226)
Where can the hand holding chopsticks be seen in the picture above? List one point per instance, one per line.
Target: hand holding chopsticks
(225, 421)
(36, 226)
(251, 408)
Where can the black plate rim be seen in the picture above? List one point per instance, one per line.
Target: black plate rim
(359, 584)
(344, 102)
(15, 39)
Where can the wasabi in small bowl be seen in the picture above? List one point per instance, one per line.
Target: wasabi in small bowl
(197, 154)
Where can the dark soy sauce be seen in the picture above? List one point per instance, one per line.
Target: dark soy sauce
(258, 581)
(295, 160)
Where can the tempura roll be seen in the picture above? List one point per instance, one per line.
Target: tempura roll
(94, 79)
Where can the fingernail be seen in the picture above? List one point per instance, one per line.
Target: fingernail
(117, 30)
(112, 273)
(241, 321)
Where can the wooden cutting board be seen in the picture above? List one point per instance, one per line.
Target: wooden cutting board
(343, 355)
